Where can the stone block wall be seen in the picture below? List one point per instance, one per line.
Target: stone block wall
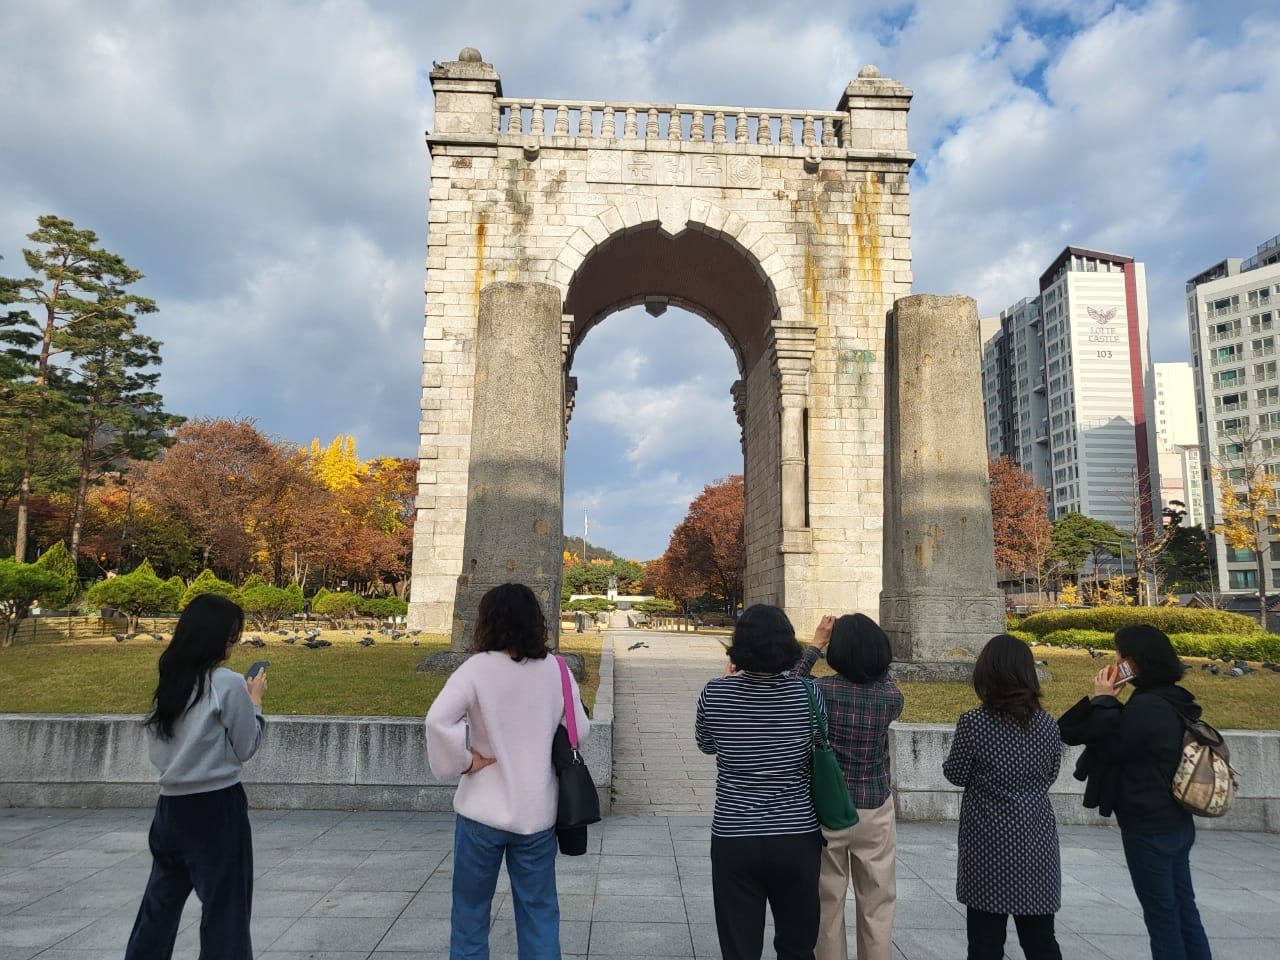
(815, 202)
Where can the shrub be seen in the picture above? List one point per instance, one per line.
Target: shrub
(1022, 635)
(382, 607)
(134, 594)
(265, 604)
(655, 606)
(1079, 638)
(590, 605)
(20, 585)
(57, 560)
(1169, 619)
(1259, 646)
(337, 605)
(207, 582)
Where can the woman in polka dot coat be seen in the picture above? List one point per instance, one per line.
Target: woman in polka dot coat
(1005, 755)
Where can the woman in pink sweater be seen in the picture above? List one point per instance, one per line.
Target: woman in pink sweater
(492, 726)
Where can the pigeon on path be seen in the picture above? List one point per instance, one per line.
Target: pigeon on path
(120, 637)
(638, 644)
(315, 643)
(366, 641)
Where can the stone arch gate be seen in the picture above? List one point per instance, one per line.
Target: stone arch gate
(786, 229)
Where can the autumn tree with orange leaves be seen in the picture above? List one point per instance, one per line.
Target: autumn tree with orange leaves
(706, 554)
(1020, 520)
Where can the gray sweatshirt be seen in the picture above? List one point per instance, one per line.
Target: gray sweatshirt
(212, 740)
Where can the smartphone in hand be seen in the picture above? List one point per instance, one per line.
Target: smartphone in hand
(257, 668)
(1124, 670)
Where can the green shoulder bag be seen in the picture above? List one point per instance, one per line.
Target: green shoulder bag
(830, 793)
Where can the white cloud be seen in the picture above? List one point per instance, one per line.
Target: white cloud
(262, 162)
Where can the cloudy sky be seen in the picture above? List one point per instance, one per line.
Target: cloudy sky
(262, 162)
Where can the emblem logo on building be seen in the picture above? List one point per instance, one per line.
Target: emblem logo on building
(1102, 317)
(1102, 333)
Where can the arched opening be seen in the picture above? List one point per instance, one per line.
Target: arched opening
(671, 277)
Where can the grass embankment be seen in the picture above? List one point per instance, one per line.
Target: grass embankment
(1251, 702)
(344, 680)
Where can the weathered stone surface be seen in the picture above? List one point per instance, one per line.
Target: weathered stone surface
(787, 230)
(515, 521)
(939, 602)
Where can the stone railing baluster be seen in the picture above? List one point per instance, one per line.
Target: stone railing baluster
(651, 125)
(515, 118)
(740, 130)
(787, 134)
(585, 126)
(764, 129)
(675, 122)
(562, 120)
(828, 132)
(717, 129)
(808, 137)
(607, 131)
(630, 131)
(536, 120)
(698, 132)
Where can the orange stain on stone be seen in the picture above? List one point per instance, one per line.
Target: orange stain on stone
(866, 211)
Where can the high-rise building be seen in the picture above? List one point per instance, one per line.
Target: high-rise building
(1174, 415)
(1067, 374)
(1233, 312)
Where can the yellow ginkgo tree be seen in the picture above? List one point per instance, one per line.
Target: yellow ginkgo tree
(1246, 482)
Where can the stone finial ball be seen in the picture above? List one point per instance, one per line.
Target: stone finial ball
(469, 55)
(869, 72)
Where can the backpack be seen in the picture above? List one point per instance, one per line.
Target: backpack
(1204, 782)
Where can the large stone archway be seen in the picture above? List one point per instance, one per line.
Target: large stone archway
(787, 229)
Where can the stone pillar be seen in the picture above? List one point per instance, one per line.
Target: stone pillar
(464, 90)
(792, 456)
(515, 485)
(877, 110)
(939, 604)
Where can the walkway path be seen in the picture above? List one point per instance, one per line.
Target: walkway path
(657, 767)
(332, 885)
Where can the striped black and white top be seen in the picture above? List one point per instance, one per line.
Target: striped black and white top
(761, 732)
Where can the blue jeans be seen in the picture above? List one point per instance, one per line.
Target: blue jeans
(531, 864)
(1160, 867)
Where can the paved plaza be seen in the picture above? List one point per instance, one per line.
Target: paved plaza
(335, 885)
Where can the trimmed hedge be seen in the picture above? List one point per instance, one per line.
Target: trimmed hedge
(1169, 619)
(1258, 646)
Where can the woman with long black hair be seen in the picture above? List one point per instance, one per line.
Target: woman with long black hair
(205, 722)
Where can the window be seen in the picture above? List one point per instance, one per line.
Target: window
(1260, 322)
(1231, 401)
(1228, 378)
(1264, 371)
(1267, 396)
(1269, 421)
(1242, 579)
(1232, 424)
(1225, 355)
(1240, 555)
(1263, 346)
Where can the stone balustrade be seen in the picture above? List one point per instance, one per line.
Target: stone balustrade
(659, 126)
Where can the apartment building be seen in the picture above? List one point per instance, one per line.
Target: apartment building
(1177, 440)
(1233, 312)
(1067, 381)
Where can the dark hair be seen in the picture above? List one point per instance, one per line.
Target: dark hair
(1005, 678)
(511, 620)
(859, 650)
(764, 641)
(199, 644)
(1155, 662)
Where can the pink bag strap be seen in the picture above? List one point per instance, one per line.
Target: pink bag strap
(570, 719)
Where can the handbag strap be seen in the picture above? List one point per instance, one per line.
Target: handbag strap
(570, 720)
(818, 723)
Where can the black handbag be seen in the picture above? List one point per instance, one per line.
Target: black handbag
(578, 803)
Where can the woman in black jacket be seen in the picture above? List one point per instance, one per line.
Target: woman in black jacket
(1132, 752)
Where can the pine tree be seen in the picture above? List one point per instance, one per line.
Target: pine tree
(88, 362)
(57, 560)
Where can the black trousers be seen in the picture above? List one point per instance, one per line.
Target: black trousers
(987, 932)
(198, 842)
(747, 873)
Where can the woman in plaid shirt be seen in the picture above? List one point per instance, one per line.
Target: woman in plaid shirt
(861, 703)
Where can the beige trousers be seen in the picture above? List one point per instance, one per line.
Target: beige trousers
(866, 851)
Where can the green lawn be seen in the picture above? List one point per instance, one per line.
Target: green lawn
(342, 680)
(349, 680)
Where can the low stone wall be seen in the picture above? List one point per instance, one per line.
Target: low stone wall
(923, 793)
(322, 763)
